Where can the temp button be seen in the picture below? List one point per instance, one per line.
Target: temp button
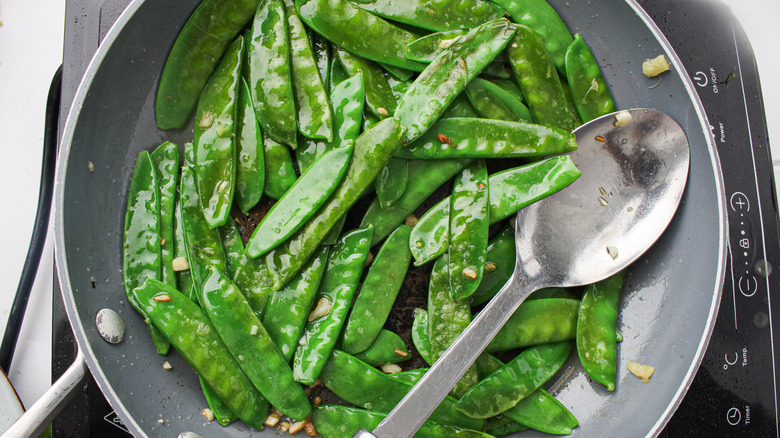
(734, 416)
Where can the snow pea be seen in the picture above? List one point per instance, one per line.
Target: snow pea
(447, 75)
(510, 190)
(222, 412)
(590, 93)
(460, 107)
(346, 25)
(301, 201)
(537, 322)
(541, 411)
(363, 385)
(596, 329)
(468, 239)
(378, 292)
(424, 178)
(339, 283)
(333, 421)
(435, 15)
(166, 163)
(493, 102)
(194, 55)
(183, 278)
(214, 137)
(379, 97)
(554, 292)
(251, 346)
(499, 265)
(279, 168)
(190, 331)
(387, 347)
(337, 73)
(254, 280)
(372, 151)
(141, 258)
(409, 376)
(501, 426)
(447, 318)
(514, 381)
(232, 246)
(539, 81)
(288, 308)
(311, 100)
(542, 18)
(391, 182)
(398, 73)
(427, 48)
(323, 54)
(269, 73)
(420, 336)
(509, 85)
(250, 164)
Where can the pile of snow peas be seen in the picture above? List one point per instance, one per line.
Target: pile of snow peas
(338, 112)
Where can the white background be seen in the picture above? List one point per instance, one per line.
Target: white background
(31, 50)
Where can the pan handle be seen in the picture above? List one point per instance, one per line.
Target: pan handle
(35, 420)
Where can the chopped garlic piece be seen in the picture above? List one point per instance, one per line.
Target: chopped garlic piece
(490, 266)
(284, 426)
(271, 420)
(470, 273)
(208, 413)
(411, 220)
(323, 308)
(382, 111)
(369, 259)
(622, 118)
(167, 365)
(654, 67)
(612, 251)
(180, 264)
(642, 371)
(445, 44)
(90, 166)
(206, 119)
(310, 429)
(391, 368)
(298, 426)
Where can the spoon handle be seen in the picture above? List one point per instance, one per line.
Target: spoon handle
(426, 395)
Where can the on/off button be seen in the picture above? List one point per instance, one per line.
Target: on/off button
(734, 416)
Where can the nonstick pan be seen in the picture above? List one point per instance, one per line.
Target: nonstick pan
(667, 311)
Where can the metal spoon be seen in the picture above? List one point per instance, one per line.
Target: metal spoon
(632, 180)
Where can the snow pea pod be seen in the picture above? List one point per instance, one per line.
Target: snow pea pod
(435, 15)
(398, 73)
(539, 81)
(513, 382)
(501, 426)
(269, 74)
(301, 201)
(222, 412)
(493, 102)
(251, 346)
(378, 292)
(427, 48)
(279, 168)
(499, 265)
(379, 96)
(372, 151)
(387, 347)
(214, 137)
(194, 55)
(363, 385)
(596, 329)
(391, 182)
(183, 278)
(510, 190)
(190, 331)
(166, 163)
(590, 93)
(448, 74)
(541, 411)
(288, 308)
(420, 336)
(333, 421)
(409, 376)
(460, 107)
(339, 283)
(469, 223)
(254, 280)
(322, 56)
(359, 31)
(424, 178)
(232, 247)
(141, 259)
(250, 164)
(542, 18)
(537, 322)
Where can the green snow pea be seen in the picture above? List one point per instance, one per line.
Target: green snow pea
(596, 329)
(391, 182)
(214, 137)
(166, 164)
(542, 18)
(190, 331)
(399, 87)
(279, 168)
(424, 178)
(590, 93)
(333, 421)
(288, 308)
(409, 376)
(270, 78)
(435, 15)
(183, 278)
(553, 292)
(399, 73)
(420, 335)
(447, 318)
(301, 201)
(541, 411)
(460, 107)
(314, 116)
(337, 72)
(250, 164)
(322, 56)
(346, 25)
(510, 190)
(141, 258)
(363, 385)
(378, 292)
(205, 36)
(539, 81)
(379, 96)
(251, 346)
(345, 266)
(373, 150)
(254, 280)
(514, 381)
(427, 48)
(221, 411)
(537, 322)
(447, 75)
(468, 240)
(501, 425)
(509, 85)
(387, 347)
(493, 102)
(232, 246)
(498, 69)
(499, 266)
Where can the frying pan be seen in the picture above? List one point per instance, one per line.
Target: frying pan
(667, 311)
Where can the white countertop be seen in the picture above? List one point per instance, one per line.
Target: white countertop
(31, 38)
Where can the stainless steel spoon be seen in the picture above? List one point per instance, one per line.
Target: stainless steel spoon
(633, 177)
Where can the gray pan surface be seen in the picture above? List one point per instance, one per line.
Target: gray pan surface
(667, 311)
